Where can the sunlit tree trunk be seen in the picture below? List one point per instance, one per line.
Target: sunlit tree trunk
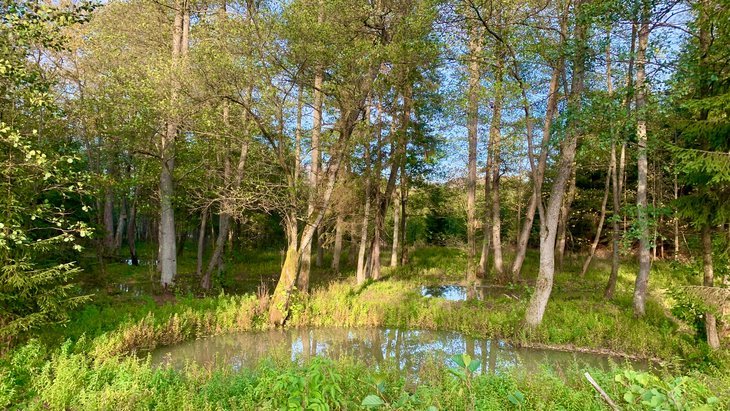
(548, 227)
(472, 123)
(403, 214)
(616, 233)
(279, 307)
(379, 217)
(487, 229)
(361, 273)
(167, 247)
(305, 267)
(539, 172)
(642, 217)
(396, 232)
(495, 137)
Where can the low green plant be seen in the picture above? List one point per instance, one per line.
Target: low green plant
(643, 390)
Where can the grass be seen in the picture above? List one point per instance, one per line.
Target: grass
(92, 369)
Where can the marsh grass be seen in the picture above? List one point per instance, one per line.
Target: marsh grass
(93, 368)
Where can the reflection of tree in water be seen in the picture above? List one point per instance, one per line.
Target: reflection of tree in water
(407, 349)
(448, 292)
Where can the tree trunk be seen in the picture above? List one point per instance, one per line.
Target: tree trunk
(279, 308)
(109, 240)
(132, 229)
(398, 160)
(305, 267)
(352, 248)
(472, 124)
(121, 224)
(362, 265)
(201, 244)
(629, 97)
(616, 233)
(374, 257)
(320, 249)
(396, 232)
(642, 217)
(548, 227)
(337, 252)
(361, 268)
(403, 215)
(224, 219)
(167, 247)
(495, 136)
(564, 219)
(676, 220)
(548, 231)
(539, 172)
(487, 230)
(316, 159)
(616, 189)
(713, 339)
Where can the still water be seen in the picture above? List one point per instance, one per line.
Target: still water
(455, 292)
(406, 349)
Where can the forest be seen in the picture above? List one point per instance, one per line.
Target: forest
(365, 204)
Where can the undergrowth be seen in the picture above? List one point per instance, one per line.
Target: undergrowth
(93, 368)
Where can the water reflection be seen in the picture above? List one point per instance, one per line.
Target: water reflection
(453, 292)
(142, 262)
(406, 349)
(447, 292)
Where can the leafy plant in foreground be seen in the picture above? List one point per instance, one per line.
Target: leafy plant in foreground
(644, 390)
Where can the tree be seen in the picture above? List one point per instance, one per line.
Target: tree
(642, 215)
(42, 180)
(475, 48)
(549, 219)
(700, 119)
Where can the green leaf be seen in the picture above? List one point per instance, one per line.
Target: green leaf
(465, 360)
(516, 398)
(372, 401)
(459, 360)
(473, 365)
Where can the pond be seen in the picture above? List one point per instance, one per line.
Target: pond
(408, 350)
(454, 292)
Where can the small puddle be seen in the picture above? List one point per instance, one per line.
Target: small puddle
(455, 292)
(407, 349)
(140, 262)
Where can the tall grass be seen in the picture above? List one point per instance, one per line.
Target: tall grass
(93, 368)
